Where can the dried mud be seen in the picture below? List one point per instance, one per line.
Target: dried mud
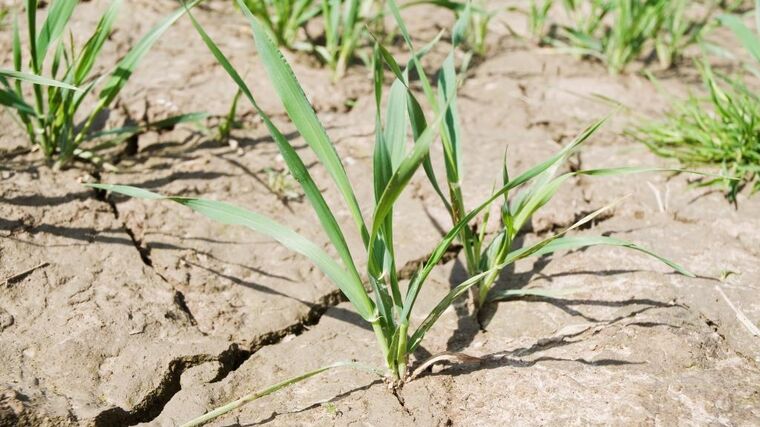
(122, 312)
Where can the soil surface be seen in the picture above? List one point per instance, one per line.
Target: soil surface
(121, 312)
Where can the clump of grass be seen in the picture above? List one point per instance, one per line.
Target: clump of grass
(618, 32)
(389, 305)
(53, 117)
(721, 129)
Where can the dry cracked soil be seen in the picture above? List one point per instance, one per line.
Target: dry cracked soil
(118, 312)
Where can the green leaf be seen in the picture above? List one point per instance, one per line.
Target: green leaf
(57, 17)
(93, 46)
(402, 176)
(532, 292)
(459, 33)
(295, 164)
(31, 22)
(10, 99)
(303, 116)
(35, 79)
(229, 214)
(576, 242)
(272, 389)
(474, 280)
(172, 121)
(127, 65)
(749, 39)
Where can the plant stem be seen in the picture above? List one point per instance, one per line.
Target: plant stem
(381, 339)
(401, 356)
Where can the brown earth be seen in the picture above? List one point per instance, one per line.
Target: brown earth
(119, 312)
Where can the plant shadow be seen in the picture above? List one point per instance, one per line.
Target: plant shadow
(520, 357)
(471, 322)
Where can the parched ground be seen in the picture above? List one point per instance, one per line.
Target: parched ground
(122, 312)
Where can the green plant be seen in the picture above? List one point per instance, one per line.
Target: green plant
(3, 16)
(51, 118)
(31, 78)
(618, 32)
(538, 16)
(229, 122)
(748, 38)
(722, 129)
(345, 22)
(388, 307)
(478, 19)
(484, 254)
(283, 18)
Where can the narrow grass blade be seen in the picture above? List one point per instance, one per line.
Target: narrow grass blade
(406, 169)
(172, 121)
(127, 131)
(293, 161)
(35, 79)
(440, 249)
(16, 45)
(749, 39)
(31, 22)
(11, 100)
(303, 116)
(93, 46)
(564, 153)
(472, 281)
(272, 389)
(57, 17)
(229, 214)
(127, 65)
(517, 293)
(577, 242)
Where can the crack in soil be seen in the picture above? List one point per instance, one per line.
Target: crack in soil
(559, 226)
(153, 404)
(179, 301)
(401, 402)
(145, 255)
(230, 359)
(407, 271)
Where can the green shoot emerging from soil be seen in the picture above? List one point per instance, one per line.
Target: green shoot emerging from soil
(52, 117)
(618, 32)
(344, 23)
(389, 305)
(722, 129)
(283, 19)
(478, 19)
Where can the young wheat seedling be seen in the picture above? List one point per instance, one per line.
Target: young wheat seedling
(388, 307)
(53, 119)
(618, 32)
